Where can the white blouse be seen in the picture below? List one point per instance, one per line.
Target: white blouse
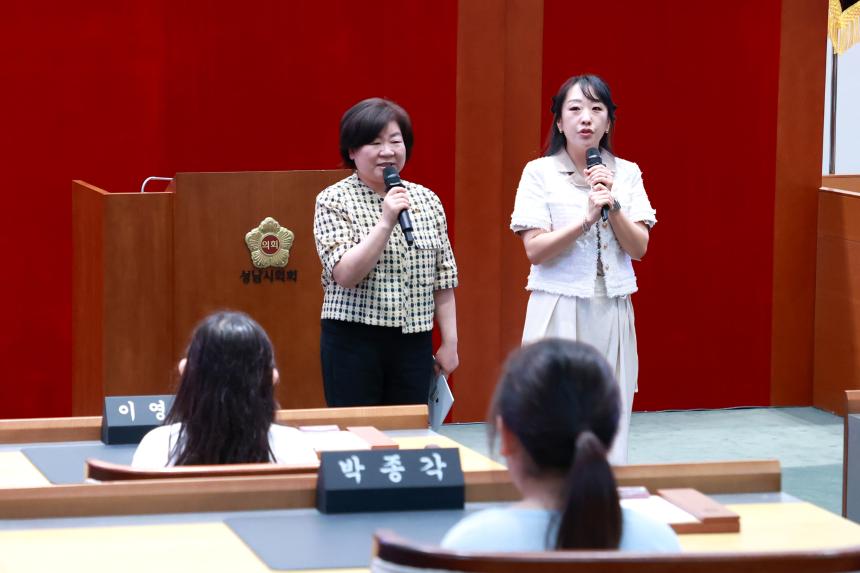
(553, 195)
(289, 446)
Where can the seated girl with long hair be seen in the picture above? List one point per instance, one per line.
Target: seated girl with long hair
(556, 410)
(224, 410)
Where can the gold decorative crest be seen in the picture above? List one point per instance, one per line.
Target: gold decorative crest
(269, 244)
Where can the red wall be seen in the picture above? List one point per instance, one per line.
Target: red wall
(80, 98)
(113, 92)
(696, 90)
(262, 85)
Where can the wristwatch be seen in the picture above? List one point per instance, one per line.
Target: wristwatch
(616, 206)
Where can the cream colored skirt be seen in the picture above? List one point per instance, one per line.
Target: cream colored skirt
(603, 322)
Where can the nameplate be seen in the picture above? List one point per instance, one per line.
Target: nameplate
(126, 419)
(390, 480)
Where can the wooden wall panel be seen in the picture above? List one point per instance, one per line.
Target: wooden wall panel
(87, 294)
(837, 300)
(213, 213)
(800, 117)
(524, 106)
(838, 215)
(498, 113)
(123, 295)
(477, 180)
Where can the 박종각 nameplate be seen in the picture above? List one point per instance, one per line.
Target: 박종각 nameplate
(390, 480)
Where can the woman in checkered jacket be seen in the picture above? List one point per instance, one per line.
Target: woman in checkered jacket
(381, 295)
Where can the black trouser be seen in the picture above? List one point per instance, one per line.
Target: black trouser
(366, 365)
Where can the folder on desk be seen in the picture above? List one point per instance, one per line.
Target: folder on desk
(440, 400)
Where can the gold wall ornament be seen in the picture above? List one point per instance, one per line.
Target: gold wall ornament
(269, 244)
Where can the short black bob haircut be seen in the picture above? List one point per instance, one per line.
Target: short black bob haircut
(595, 89)
(363, 122)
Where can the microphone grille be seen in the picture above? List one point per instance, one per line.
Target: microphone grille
(390, 177)
(592, 157)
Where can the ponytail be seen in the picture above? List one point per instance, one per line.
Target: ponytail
(590, 511)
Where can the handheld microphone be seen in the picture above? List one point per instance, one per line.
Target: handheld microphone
(392, 179)
(592, 158)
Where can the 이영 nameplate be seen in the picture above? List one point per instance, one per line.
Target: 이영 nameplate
(126, 419)
(390, 480)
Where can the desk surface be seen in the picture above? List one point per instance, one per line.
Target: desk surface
(31, 465)
(165, 547)
(198, 541)
(778, 526)
(206, 540)
(18, 471)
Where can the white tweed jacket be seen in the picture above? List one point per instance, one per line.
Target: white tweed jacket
(552, 194)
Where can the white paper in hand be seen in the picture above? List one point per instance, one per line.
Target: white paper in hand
(440, 401)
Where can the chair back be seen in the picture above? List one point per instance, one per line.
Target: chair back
(100, 470)
(394, 554)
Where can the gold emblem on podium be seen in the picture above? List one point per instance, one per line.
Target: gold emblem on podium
(269, 244)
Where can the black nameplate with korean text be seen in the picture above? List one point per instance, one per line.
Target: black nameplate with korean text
(126, 419)
(390, 480)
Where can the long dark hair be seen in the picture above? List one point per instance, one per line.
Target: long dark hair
(559, 398)
(226, 400)
(595, 89)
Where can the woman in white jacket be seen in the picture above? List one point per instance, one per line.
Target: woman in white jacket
(582, 276)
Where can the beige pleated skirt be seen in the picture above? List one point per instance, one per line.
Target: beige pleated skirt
(603, 322)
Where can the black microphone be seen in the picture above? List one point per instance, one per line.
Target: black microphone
(392, 179)
(592, 158)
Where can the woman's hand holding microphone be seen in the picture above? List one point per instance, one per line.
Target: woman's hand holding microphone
(600, 179)
(396, 200)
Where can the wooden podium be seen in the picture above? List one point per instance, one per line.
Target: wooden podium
(149, 266)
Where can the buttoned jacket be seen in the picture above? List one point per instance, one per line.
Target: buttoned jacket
(398, 291)
(552, 195)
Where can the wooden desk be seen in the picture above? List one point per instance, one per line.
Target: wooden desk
(206, 543)
(779, 526)
(202, 540)
(83, 428)
(486, 480)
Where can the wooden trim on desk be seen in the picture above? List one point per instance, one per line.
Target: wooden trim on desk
(381, 417)
(100, 470)
(749, 476)
(189, 495)
(160, 496)
(299, 491)
(34, 430)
